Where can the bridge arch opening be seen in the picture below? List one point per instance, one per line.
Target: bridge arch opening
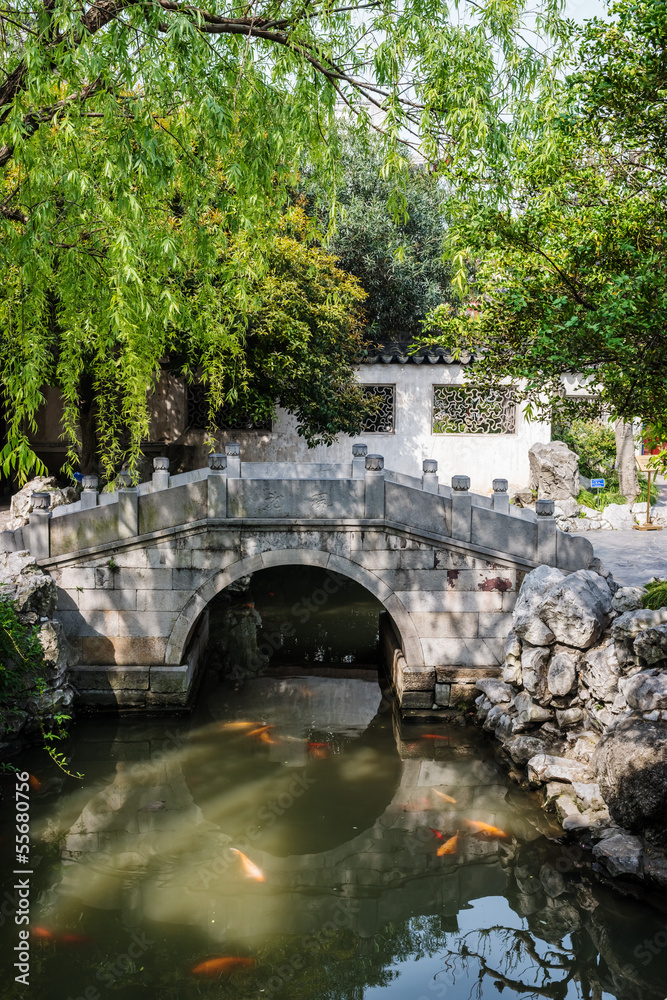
(335, 567)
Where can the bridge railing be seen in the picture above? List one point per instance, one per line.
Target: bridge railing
(253, 493)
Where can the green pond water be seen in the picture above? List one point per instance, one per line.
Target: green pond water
(137, 881)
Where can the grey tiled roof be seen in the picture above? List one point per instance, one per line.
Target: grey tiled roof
(400, 352)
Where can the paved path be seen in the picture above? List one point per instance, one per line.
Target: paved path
(632, 556)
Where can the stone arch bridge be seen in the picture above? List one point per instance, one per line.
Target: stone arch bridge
(136, 569)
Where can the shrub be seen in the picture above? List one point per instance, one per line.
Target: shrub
(656, 595)
(593, 441)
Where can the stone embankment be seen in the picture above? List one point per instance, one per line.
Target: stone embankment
(34, 594)
(581, 712)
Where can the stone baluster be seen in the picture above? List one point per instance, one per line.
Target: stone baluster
(217, 485)
(546, 532)
(461, 508)
(359, 452)
(430, 475)
(91, 485)
(39, 526)
(160, 474)
(501, 498)
(128, 507)
(233, 452)
(374, 486)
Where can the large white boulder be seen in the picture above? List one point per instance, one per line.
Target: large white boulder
(554, 471)
(21, 502)
(576, 609)
(619, 516)
(645, 691)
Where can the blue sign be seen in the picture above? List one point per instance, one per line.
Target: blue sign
(599, 483)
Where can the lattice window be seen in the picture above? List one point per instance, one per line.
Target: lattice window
(473, 410)
(383, 421)
(225, 420)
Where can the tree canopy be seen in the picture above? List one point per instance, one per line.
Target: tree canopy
(565, 239)
(396, 255)
(147, 152)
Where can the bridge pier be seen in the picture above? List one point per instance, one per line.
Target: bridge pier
(136, 570)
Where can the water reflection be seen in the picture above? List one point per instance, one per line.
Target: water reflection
(355, 903)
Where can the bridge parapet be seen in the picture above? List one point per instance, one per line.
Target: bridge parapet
(136, 569)
(230, 490)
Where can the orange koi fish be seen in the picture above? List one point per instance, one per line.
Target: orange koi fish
(434, 736)
(74, 939)
(237, 725)
(450, 846)
(251, 869)
(42, 934)
(442, 795)
(485, 829)
(216, 966)
(261, 729)
(265, 738)
(34, 782)
(436, 832)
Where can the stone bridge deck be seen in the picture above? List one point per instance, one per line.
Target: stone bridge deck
(136, 569)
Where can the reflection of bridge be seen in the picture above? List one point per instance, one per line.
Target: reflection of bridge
(137, 569)
(173, 866)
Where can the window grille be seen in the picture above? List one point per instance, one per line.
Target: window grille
(226, 419)
(383, 421)
(473, 410)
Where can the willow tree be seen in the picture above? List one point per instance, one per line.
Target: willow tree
(147, 152)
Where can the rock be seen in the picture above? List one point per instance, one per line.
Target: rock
(533, 630)
(535, 585)
(523, 498)
(23, 580)
(21, 502)
(589, 796)
(533, 668)
(566, 508)
(645, 691)
(590, 513)
(528, 711)
(620, 854)
(577, 608)
(543, 768)
(552, 790)
(659, 515)
(512, 674)
(494, 716)
(484, 706)
(627, 599)
(562, 671)
(651, 645)
(571, 818)
(584, 747)
(496, 691)
(619, 516)
(600, 671)
(631, 768)
(627, 626)
(554, 471)
(599, 717)
(522, 748)
(569, 717)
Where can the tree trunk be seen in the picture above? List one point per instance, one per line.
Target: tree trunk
(87, 426)
(625, 461)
